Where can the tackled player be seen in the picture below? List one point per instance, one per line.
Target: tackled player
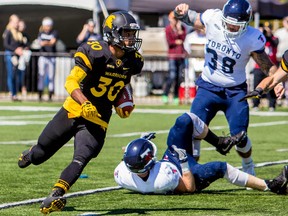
(178, 172)
(102, 69)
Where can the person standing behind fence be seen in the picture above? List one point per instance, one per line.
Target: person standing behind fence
(271, 50)
(46, 64)
(25, 58)
(175, 36)
(282, 35)
(88, 33)
(12, 42)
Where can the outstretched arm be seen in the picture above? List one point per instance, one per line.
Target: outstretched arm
(190, 17)
(266, 65)
(273, 81)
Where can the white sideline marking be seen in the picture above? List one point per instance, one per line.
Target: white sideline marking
(29, 108)
(26, 117)
(80, 193)
(164, 111)
(20, 123)
(282, 150)
(263, 124)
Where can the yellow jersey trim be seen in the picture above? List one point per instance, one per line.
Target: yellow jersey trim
(284, 66)
(84, 58)
(76, 75)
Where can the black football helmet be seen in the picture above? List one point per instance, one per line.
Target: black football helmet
(140, 155)
(236, 13)
(116, 24)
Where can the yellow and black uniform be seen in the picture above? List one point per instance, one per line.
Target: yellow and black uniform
(284, 61)
(93, 85)
(100, 76)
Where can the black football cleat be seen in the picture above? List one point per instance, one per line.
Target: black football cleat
(24, 159)
(54, 202)
(278, 185)
(226, 143)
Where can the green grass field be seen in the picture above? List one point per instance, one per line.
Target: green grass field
(21, 126)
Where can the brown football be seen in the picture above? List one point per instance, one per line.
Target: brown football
(124, 99)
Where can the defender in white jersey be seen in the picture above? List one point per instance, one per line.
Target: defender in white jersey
(178, 172)
(230, 44)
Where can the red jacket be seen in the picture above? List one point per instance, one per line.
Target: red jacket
(175, 51)
(271, 50)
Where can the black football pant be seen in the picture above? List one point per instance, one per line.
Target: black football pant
(88, 142)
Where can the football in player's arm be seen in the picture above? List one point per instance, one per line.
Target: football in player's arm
(102, 69)
(273, 81)
(178, 172)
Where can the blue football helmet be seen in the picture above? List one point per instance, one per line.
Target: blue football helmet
(237, 14)
(114, 27)
(140, 155)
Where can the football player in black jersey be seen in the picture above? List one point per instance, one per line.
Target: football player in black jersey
(273, 81)
(102, 69)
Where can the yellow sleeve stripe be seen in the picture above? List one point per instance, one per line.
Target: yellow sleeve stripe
(76, 75)
(284, 66)
(84, 58)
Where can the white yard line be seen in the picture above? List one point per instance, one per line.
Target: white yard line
(5, 121)
(37, 200)
(87, 192)
(158, 111)
(21, 123)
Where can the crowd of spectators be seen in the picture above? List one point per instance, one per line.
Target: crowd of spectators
(18, 45)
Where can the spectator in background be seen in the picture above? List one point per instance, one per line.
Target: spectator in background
(175, 36)
(46, 63)
(13, 45)
(88, 33)
(25, 58)
(282, 35)
(271, 50)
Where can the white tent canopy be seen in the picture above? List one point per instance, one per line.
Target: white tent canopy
(82, 4)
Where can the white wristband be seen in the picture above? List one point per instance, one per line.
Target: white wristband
(185, 167)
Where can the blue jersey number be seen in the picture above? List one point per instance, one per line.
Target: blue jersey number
(227, 63)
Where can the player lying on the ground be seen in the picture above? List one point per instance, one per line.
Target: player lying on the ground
(178, 172)
(271, 82)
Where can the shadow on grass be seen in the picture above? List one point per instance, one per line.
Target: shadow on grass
(139, 211)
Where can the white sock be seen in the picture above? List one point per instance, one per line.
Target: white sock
(236, 176)
(247, 160)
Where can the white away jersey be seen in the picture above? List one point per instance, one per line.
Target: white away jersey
(226, 58)
(163, 178)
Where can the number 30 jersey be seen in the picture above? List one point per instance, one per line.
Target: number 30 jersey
(226, 58)
(100, 76)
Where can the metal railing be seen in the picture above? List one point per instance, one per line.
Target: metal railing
(150, 82)
(64, 63)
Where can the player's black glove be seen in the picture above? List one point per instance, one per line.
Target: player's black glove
(256, 93)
